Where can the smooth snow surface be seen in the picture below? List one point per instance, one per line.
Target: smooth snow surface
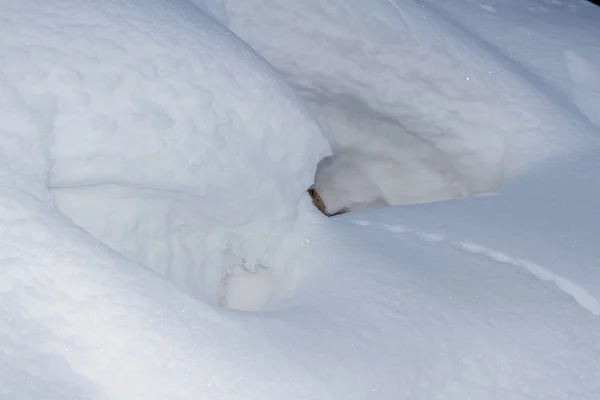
(155, 136)
(555, 43)
(401, 86)
(158, 131)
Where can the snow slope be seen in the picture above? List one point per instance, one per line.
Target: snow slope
(149, 129)
(555, 44)
(492, 297)
(400, 80)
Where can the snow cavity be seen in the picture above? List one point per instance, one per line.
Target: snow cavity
(415, 107)
(161, 134)
(378, 162)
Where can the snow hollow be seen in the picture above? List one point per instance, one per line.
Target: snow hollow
(416, 108)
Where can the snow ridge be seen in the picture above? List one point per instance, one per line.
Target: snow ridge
(576, 292)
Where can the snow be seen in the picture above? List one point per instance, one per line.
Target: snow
(493, 296)
(148, 151)
(402, 80)
(561, 56)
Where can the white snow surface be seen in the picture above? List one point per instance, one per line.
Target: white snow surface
(495, 296)
(149, 125)
(402, 79)
(555, 44)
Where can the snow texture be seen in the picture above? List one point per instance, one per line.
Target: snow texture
(398, 85)
(146, 121)
(154, 128)
(555, 48)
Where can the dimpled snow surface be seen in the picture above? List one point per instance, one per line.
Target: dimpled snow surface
(155, 165)
(151, 126)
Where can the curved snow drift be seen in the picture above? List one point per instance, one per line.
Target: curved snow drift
(486, 298)
(415, 107)
(153, 137)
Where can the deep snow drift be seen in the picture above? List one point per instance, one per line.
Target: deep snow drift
(149, 123)
(491, 297)
(418, 107)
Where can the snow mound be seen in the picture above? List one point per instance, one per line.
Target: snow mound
(404, 88)
(157, 131)
(491, 298)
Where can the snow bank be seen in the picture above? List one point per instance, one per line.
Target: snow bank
(401, 86)
(158, 131)
(80, 321)
(486, 298)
